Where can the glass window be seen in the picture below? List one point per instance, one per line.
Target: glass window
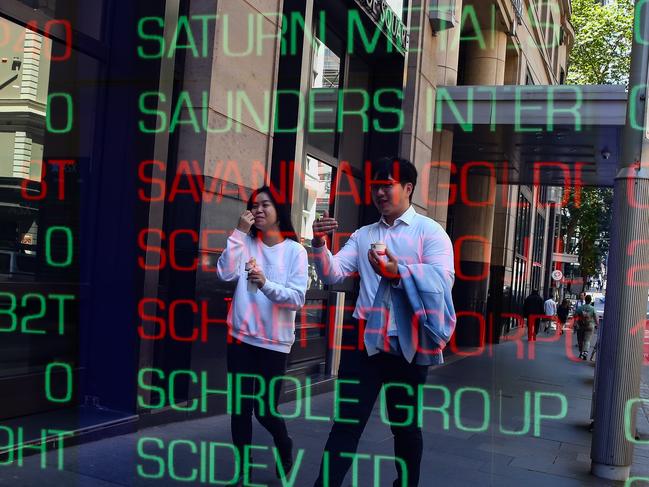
(47, 143)
(311, 322)
(24, 84)
(326, 67)
(40, 154)
(397, 6)
(5, 262)
(325, 84)
(84, 16)
(317, 192)
(48, 7)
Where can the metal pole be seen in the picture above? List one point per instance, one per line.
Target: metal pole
(620, 347)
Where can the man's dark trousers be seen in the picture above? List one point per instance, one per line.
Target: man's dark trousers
(371, 373)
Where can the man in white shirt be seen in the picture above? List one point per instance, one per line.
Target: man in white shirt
(409, 238)
(550, 307)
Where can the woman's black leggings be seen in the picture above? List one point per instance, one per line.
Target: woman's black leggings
(252, 369)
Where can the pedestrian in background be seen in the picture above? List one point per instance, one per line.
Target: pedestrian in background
(594, 346)
(533, 310)
(595, 340)
(563, 311)
(578, 304)
(586, 318)
(550, 308)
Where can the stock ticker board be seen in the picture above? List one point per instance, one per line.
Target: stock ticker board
(344, 242)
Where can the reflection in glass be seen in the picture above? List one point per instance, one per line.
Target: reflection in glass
(311, 321)
(85, 16)
(48, 7)
(397, 6)
(317, 191)
(24, 80)
(326, 67)
(44, 167)
(324, 98)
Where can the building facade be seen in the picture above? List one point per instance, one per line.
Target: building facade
(172, 114)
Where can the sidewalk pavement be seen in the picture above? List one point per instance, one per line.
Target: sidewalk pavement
(550, 452)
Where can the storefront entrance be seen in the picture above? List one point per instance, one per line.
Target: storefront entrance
(343, 133)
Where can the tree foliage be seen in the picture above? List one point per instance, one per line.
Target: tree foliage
(603, 37)
(601, 55)
(587, 226)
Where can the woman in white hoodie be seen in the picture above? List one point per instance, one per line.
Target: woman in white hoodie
(270, 267)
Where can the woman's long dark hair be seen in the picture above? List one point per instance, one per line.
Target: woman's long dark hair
(284, 218)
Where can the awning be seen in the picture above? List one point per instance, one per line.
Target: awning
(556, 129)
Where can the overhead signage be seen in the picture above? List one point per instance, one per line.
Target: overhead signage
(388, 21)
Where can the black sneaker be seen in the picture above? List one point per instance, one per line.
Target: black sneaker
(286, 457)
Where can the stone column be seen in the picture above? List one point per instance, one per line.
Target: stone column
(447, 53)
(485, 64)
(473, 223)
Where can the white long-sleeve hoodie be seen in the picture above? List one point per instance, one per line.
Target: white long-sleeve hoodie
(265, 318)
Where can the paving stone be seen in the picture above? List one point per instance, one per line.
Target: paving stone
(452, 457)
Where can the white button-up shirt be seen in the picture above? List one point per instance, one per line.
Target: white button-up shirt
(412, 239)
(550, 307)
